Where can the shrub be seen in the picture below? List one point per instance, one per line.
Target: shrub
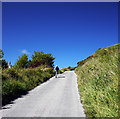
(18, 81)
(11, 89)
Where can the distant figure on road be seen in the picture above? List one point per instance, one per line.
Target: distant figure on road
(56, 71)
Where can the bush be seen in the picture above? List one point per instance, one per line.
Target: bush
(18, 82)
(11, 89)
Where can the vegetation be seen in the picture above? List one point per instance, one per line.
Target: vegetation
(3, 63)
(17, 82)
(40, 58)
(26, 75)
(98, 82)
(21, 62)
(1, 53)
(67, 69)
(85, 60)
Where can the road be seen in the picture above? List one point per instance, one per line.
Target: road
(58, 97)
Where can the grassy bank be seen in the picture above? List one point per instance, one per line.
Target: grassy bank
(98, 82)
(18, 82)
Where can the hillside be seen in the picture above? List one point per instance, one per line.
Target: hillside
(98, 82)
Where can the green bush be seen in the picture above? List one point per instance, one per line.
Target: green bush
(12, 89)
(18, 81)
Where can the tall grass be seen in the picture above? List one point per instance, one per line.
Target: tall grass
(18, 82)
(98, 83)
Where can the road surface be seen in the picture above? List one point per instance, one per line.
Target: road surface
(58, 97)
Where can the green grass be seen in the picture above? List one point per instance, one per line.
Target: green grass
(98, 83)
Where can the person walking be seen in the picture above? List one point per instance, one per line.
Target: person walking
(56, 71)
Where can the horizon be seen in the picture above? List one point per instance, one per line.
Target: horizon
(69, 31)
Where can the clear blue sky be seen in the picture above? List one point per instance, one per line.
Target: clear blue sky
(70, 31)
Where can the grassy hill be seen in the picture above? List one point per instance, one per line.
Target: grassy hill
(98, 82)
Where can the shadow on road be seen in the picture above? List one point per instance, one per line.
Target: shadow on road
(61, 76)
(11, 100)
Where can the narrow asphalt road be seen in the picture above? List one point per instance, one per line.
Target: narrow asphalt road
(58, 97)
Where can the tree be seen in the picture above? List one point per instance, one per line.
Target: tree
(69, 67)
(29, 63)
(21, 62)
(40, 58)
(1, 53)
(4, 64)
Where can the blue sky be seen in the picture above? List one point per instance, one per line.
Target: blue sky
(70, 31)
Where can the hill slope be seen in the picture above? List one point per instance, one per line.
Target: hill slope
(98, 82)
